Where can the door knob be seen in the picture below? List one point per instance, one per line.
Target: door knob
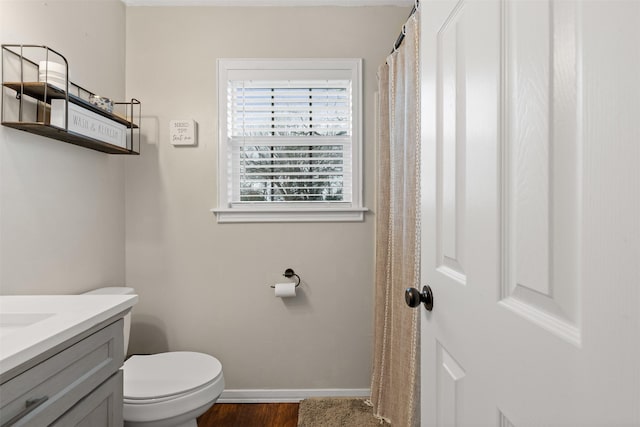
(414, 297)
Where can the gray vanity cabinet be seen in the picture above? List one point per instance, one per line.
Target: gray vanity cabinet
(78, 383)
(101, 408)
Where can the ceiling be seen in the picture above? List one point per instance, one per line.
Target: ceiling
(402, 3)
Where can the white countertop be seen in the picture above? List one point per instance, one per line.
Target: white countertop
(32, 324)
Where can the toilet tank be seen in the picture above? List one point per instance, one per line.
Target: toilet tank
(118, 290)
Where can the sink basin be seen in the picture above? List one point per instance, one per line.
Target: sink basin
(33, 324)
(13, 322)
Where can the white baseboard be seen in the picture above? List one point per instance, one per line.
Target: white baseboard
(289, 395)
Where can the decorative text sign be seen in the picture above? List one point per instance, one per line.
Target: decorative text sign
(88, 123)
(182, 132)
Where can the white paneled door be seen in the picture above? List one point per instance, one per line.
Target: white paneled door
(531, 213)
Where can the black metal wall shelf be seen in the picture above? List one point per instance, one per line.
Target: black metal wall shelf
(30, 102)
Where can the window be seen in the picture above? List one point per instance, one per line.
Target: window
(289, 140)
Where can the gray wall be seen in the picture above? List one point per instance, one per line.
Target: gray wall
(205, 286)
(62, 212)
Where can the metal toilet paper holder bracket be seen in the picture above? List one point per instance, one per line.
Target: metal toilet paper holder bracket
(289, 273)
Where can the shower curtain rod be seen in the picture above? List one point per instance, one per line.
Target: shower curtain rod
(398, 42)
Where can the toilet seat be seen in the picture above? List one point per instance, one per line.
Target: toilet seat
(168, 375)
(153, 400)
(165, 385)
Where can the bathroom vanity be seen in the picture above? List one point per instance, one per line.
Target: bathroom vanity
(60, 359)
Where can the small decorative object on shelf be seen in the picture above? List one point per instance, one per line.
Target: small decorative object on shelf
(53, 73)
(38, 97)
(101, 102)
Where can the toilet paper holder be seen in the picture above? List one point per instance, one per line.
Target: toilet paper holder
(289, 273)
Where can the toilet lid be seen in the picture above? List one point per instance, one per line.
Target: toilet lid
(167, 374)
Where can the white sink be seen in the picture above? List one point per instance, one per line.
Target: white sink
(11, 322)
(33, 324)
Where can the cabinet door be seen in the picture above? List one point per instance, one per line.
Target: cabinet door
(63, 378)
(101, 408)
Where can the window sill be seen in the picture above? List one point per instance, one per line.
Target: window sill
(226, 215)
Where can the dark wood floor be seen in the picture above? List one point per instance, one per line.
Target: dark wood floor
(250, 415)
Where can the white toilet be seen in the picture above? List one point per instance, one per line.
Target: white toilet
(167, 389)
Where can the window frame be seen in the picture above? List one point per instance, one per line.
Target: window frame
(341, 211)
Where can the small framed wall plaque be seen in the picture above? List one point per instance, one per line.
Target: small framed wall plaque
(183, 132)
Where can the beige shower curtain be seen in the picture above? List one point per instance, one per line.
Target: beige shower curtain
(395, 385)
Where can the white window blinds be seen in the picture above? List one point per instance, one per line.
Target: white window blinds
(290, 140)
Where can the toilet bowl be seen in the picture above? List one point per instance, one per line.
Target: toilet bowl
(167, 389)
